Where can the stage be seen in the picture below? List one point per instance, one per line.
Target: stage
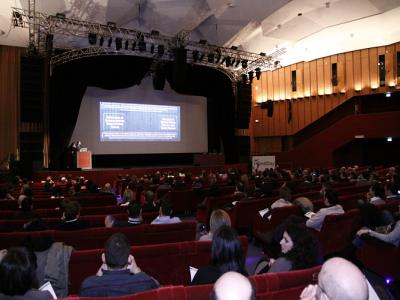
(102, 175)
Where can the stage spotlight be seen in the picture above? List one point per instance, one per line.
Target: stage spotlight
(118, 43)
(92, 37)
(244, 63)
(195, 55)
(218, 58)
(126, 45)
(133, 46)
(258, 73)
(101, 42)
(109, 42)
(112, 24)
(152, 48)
(201, 56)
(237, 63)
(234, 47)
(262, 54)
(210, 57)
(160, 50)
(251, 76)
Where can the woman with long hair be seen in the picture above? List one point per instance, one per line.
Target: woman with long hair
(299, 250)
(226, 255)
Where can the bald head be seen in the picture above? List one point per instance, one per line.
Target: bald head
(340, 279)
(233, 286)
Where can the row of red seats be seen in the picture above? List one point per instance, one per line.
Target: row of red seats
(270, 286)
(169, 263)
(94, 238)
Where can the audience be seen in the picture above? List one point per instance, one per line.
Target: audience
(299, 250)
(18, 277)
(339, 279)
(150, 203)
(233, 286)
(134, 216)
(165, 214)
(119, 274)
(226, 255)
(218, 218)
(332, 208)
(71, 217)
(285, 195)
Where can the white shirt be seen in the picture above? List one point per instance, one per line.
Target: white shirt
(317, 220)
(166, 220)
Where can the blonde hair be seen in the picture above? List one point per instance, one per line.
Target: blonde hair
(219, 218)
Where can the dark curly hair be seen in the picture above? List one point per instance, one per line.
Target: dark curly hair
(305, 252)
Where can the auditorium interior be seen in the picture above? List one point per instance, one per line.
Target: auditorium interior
(246, 96)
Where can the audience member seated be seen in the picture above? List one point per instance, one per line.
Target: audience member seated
(332, 208)
(233, 286)
(56, 193)
(134, 217)
(165, 214)
(107, 189)
(4, 195)
(299, 250)
(119, 274)
(305, 204)
(392, 191)
(218, 218)
(71, 218)
(226, 255)
(18, 278)
(150, 204)
(285, 197)
(26, 192)
(339, 279)
(129, 194)
(389, 235)
(26, 210)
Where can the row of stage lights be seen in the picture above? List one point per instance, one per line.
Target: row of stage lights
(212, 57)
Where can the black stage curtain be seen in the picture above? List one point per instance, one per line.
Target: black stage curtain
(69, 81)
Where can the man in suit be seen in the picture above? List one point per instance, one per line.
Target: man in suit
(71, 217)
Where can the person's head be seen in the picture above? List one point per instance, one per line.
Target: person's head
(71, 210)
(226, 251)
(134, 210)
(233, 286)
(331, 197)
(219, 218)
(17, 272)
(339, 279)
(109, 221)
(285, 193)
(116, 251)
(166, 208)
(26, 204)
(300, 247)
(377, 190)
(149, 196)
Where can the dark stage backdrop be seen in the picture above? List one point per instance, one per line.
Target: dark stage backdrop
(69, 81)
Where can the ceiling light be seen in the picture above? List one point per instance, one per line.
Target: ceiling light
(118, 43)
(389, 139)
(92, 37)
(244, 63)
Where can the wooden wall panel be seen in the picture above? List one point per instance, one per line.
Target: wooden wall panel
(349, 72)
(341, 68)
(281, 72)
(313, 78)
(320, 77)
(275, 78)
(300, 85)
(397, 75)
(321, 106)
(327, 75)
(389, 65)
(307, 112)
(373, 67)
(295, 116)
(301, 113)
(307, 79)
(288, 85)
(357, 70)
(365, 79)
(314, 109)
(270, 86)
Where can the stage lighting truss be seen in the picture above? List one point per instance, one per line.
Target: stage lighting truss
(231, 61)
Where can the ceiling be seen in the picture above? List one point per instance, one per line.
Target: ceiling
(308, 29)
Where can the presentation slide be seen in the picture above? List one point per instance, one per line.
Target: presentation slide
(139, 122)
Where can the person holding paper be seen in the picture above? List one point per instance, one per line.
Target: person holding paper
(119, 274)
(18, 277)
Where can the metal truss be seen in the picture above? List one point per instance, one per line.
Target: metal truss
(231, 61)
